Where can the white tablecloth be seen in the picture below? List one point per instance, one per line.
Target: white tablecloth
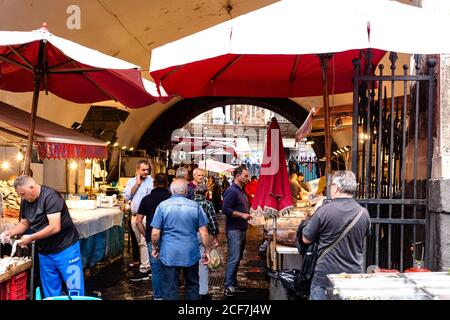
(90, 222)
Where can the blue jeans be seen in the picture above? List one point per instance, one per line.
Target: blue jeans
(203, 274)
(170, 278)
(62, 266)
(318, 293)
(155, 264)
(236, 247)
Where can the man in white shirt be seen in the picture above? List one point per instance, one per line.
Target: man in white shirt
(136, 189)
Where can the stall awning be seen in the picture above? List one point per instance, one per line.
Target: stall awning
(53, 140)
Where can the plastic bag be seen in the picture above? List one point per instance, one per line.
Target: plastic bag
(215, 260)
(257, 220)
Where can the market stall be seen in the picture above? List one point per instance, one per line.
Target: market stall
(100, 229)
(283, 253)
(101, 233)
(390, 286)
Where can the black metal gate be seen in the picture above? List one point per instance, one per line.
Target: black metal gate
(391, 157)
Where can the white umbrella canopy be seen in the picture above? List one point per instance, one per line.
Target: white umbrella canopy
(267, 51)
(408, 29)
(285, 27)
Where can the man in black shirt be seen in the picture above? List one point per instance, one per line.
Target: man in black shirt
(327, 224)
(147, 208)
(45, 212)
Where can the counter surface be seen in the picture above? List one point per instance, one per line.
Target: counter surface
(90, 222)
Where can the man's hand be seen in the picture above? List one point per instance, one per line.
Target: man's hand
(155, 252)
(205, 259)
(138, 179)
(215, 242)
(246, 216)
(25, 240)
(5, 237)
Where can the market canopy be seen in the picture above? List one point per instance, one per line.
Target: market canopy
(273, 51)
(53, 140)
(40, 61)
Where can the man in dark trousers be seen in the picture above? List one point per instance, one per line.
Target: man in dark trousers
(45, 212)
(235, 207)
(328, 223)
(174, 241)
(147, 209)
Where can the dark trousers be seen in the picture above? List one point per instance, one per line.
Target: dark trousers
(134, 243)
(170, 277)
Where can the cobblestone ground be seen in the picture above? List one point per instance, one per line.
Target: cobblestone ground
(111, 280)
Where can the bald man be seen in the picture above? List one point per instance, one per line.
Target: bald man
(45, 213)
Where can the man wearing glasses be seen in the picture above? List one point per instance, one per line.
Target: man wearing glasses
(328, 224)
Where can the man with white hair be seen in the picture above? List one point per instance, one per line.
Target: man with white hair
(174, 240)
(45, 212)
(198, 178)
(328, 224)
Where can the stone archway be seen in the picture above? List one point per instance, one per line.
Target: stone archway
(159, 133)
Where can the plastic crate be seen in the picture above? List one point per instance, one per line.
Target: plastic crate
(18, 290)
(5, 290)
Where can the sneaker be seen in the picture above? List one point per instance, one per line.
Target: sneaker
(140, 276)
(229, 292)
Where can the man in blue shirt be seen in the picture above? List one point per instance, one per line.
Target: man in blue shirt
(235, 207)
(174, 240)
(136, 189)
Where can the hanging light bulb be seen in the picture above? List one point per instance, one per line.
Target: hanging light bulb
(73, 165)
(19, 156)
(5, 165)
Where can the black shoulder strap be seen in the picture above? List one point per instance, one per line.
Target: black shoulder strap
(343, 234)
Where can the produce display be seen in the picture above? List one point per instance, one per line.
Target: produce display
(214, 259)
(11, 200)
(391, 286)
(8, 263)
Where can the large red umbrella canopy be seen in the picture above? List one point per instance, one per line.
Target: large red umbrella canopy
(272, 52)
(38, 60)
(273, 193)
(69, 70)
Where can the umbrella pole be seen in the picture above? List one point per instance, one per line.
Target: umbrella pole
(324, 58)
(37, 83)
(38, 73)
(274, 240)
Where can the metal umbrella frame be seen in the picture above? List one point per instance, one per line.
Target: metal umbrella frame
(38, 60)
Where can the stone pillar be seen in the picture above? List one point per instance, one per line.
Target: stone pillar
(439, 185)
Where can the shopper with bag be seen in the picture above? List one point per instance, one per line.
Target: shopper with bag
(213, 229)
(339, 228)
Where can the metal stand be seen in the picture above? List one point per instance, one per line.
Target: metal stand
(33, 250)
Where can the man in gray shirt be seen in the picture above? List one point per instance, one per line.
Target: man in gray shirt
(327, 224)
